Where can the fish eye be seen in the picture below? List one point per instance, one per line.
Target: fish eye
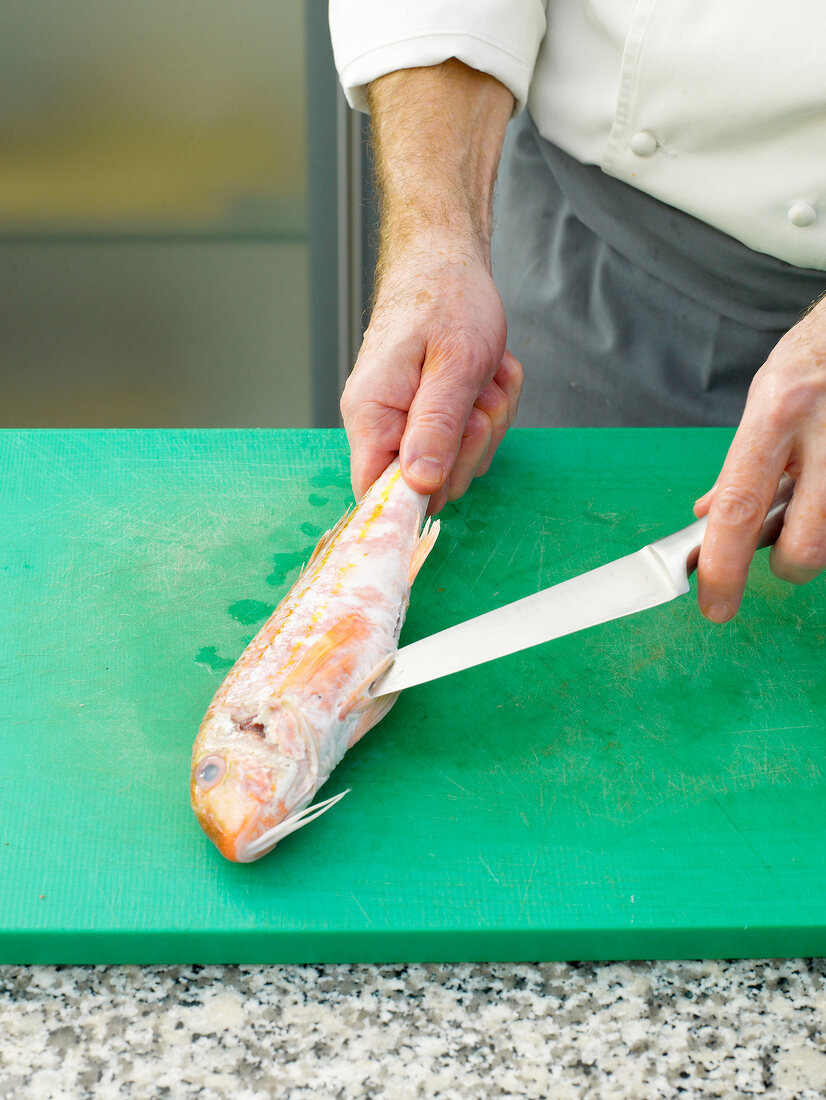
(210, 771)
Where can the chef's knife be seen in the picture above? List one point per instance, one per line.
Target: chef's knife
(654, 575)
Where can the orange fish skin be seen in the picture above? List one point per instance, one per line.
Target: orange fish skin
(293, 702)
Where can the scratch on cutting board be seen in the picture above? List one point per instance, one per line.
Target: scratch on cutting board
(737, 830)
(772, 729)
(518, 548)
(492, 875)
(609, 519)
(107, 901)
(453, 781)
(363, 910)
(497, 769)
(528, 883)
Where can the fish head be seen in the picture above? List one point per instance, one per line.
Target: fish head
(250, 772)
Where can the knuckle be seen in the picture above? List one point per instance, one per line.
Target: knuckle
(355, 398)
(786, 405)
(371, 425)
(736, 506)
(354, 413)
(347, 406)
(493, 401)
(512, 374)
(478, 427)
(466, 354)
(501, 408)
(784, 396)
(440, 422)
(805, 552)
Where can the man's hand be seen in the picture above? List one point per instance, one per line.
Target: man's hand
(783, 428)
(433, 381)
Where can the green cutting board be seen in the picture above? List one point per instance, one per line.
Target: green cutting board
(653, 787)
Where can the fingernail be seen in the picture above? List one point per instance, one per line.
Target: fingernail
(428, 469)
(718, 612)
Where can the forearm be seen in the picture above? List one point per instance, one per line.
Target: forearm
(433, 382)
(437, 137)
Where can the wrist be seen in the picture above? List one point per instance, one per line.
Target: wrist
(411, 243)
(444, 200)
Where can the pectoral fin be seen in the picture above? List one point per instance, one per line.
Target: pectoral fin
(357, 701)
(371, 715)
(427, 540)
(370, 711)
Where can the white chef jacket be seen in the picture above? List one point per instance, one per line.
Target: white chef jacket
(716, 108)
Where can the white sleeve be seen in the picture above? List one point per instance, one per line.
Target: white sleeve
(374, 37)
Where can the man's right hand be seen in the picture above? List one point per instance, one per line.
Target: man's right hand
(433, 381)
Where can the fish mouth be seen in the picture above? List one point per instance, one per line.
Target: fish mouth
(233, 846)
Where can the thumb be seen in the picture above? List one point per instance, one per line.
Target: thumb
(433, 434)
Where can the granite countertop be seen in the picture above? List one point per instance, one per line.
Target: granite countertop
(555, 1031)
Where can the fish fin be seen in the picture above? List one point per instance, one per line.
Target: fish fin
(427, 540)
(267, 841)
(372, 713)
(331, 654)
(327, 540)
(321, 547)
(357, 700)
(284, 607)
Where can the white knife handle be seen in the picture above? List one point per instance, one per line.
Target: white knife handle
(681, 551)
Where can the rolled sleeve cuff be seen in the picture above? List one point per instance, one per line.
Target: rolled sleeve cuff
(507, 53)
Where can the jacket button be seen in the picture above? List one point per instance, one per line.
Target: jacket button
(644, 144)
(802, 213)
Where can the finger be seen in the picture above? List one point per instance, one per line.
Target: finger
(437, 418)
(703, 503)
(492, 414)
(500, 401)
(493, 404)
(799, 555)
(472, 451)
(509, 378)
(437, 501)
(738, 507)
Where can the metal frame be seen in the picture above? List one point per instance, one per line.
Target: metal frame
(343, 219)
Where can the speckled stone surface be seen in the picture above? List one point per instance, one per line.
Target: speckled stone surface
(561, 1031)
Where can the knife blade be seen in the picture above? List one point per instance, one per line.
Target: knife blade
(654, 575)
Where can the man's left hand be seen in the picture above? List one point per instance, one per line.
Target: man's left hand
(783, 428)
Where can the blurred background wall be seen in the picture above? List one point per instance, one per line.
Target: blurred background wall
(165, 256)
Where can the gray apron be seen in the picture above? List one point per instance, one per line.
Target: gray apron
(623, 310)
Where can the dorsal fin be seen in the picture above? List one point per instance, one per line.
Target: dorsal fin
(327, 540)
(323, 544)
